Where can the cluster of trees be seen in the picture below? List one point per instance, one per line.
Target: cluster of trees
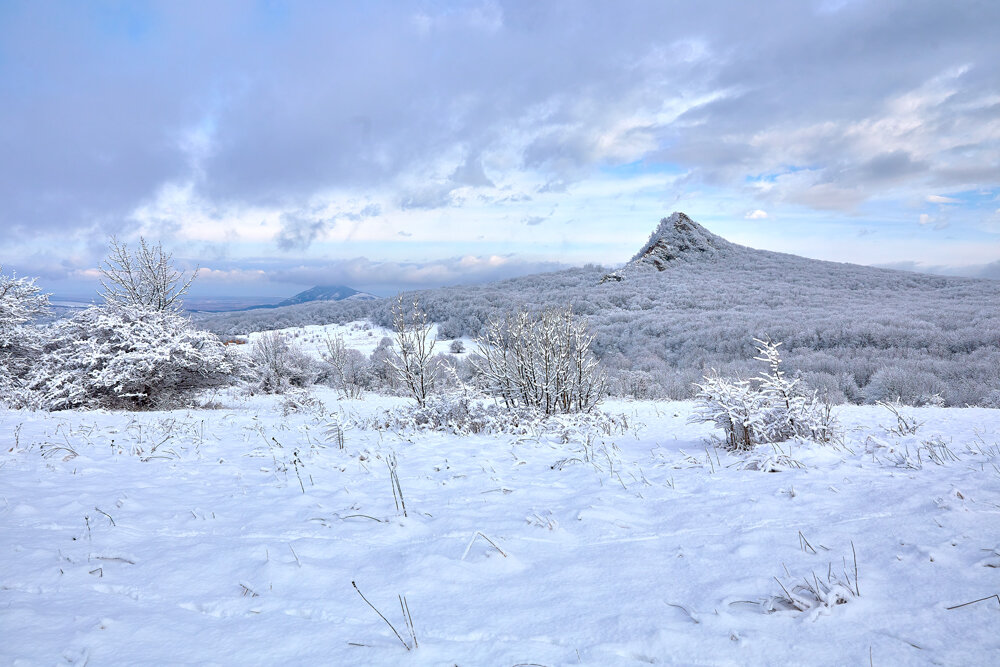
(857, 334)
(860, 334)
(137, 351)
(538, 362)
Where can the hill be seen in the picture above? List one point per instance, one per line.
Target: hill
(690, 301)
(320, 293)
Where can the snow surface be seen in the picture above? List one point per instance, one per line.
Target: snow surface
(185, 537)
(360, 335)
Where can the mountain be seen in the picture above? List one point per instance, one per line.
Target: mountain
(327, 293)
(690, 301)
(320, 293)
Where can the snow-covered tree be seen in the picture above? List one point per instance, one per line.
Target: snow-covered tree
(145, 278)
(132, 358)
(21, 301)
(413, 358)
(541, 361)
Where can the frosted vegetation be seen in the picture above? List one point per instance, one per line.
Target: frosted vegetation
(358, 493)
(857, 334)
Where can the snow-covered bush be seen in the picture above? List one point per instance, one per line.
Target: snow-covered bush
(132, 358)
(350, 371)
(907, 384)
(541, 361)
(277, 364)
(769, 408)
(383, 376)
(464, 414)
(21, 301)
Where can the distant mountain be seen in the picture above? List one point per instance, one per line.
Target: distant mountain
(328, 293)
(321, 293)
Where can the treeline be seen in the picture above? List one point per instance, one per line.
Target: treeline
(859, 334)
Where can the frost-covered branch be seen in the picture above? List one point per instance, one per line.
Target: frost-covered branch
(541, 361)
(145, 278)
(413, 362)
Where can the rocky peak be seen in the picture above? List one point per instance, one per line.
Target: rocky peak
(677, 238)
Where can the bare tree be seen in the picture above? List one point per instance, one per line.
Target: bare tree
(144, 279)
(351, 371)
(413, 361)
(541, 361)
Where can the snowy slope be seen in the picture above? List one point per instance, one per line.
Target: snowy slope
(187, 537)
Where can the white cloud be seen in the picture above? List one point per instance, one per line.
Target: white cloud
(757, 214)
(939, 199)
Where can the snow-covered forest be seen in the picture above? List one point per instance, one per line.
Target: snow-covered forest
(860, 334)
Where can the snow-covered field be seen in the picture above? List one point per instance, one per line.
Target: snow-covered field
(233, 535)
(361, 336)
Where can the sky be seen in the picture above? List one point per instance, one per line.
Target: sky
(387, 146)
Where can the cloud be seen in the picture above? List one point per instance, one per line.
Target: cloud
(938, 199)
(297, 232)
(757, 214)
(471, 172)
(385, 277)
(990, 271)
(213, 113)
(300, 229)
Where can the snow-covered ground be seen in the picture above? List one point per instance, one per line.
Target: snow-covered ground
(361, 335)
(233, 535)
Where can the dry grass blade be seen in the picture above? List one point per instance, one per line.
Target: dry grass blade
(966, 604)
(391, 626)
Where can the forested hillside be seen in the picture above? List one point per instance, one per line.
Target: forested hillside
(860, 333)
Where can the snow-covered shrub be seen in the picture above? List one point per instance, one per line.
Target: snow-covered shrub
(277, 364)
(906, 384)
(21, 301)
(350, 371)
(769, 408)
(541, 361)
(906, 424)
(465, 414)
(301, 401)
(412, 361)
(638, 384)
(382, 374)
(128, 358)
(456, 347)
